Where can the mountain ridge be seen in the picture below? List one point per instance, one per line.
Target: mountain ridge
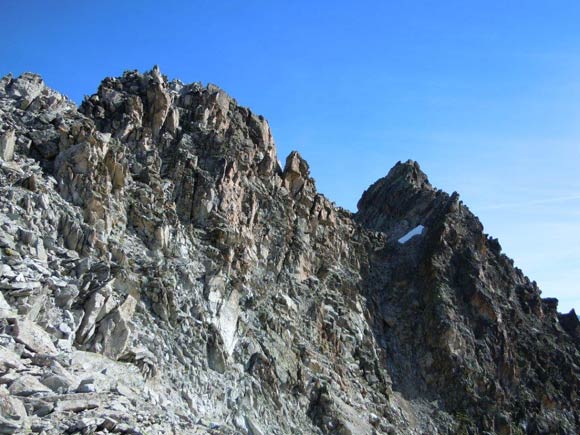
(151, 233)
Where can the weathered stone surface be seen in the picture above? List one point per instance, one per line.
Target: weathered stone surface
(7, 143)
(6, 311)
(114, 333)
(58, 383)
(33, 337)
(77, 405)
(27, 385)
(192, 285)
(13, 418)
(87, 386)
(9, 360)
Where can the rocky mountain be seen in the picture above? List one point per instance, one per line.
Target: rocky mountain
(162, 273)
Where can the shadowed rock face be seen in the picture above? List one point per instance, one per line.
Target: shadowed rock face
(459, 323)
(161, 273)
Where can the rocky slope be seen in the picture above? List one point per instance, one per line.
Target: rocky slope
(163, 274)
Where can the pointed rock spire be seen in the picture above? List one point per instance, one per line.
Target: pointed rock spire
(399, 201)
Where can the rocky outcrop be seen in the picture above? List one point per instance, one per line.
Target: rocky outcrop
(476, 349)
(162, 273)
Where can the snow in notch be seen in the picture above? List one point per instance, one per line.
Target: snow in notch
(414, 232)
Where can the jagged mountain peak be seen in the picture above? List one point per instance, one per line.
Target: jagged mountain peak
(400, 201)
(161, 273)
(410, 172)
(29, 88)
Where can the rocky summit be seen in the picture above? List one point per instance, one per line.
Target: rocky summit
(162, 273)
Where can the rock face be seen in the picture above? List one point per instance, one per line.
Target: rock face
(161, 273)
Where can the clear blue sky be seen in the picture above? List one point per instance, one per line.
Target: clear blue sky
(484, 94)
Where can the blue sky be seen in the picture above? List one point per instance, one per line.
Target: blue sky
(485, 95)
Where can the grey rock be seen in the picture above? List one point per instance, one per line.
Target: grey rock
(7, 143)
(77, 405)
(6, 311)
(65, 296)
(9, 360)
(114, 333)
(87, 386)
(13, 417)
(33, 337)
(27, 385)
(92, 310)
(21, 288)
(58, 383)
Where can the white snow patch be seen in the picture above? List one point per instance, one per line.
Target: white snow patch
(418, 230)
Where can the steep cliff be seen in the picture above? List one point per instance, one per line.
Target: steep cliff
(162, 273)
